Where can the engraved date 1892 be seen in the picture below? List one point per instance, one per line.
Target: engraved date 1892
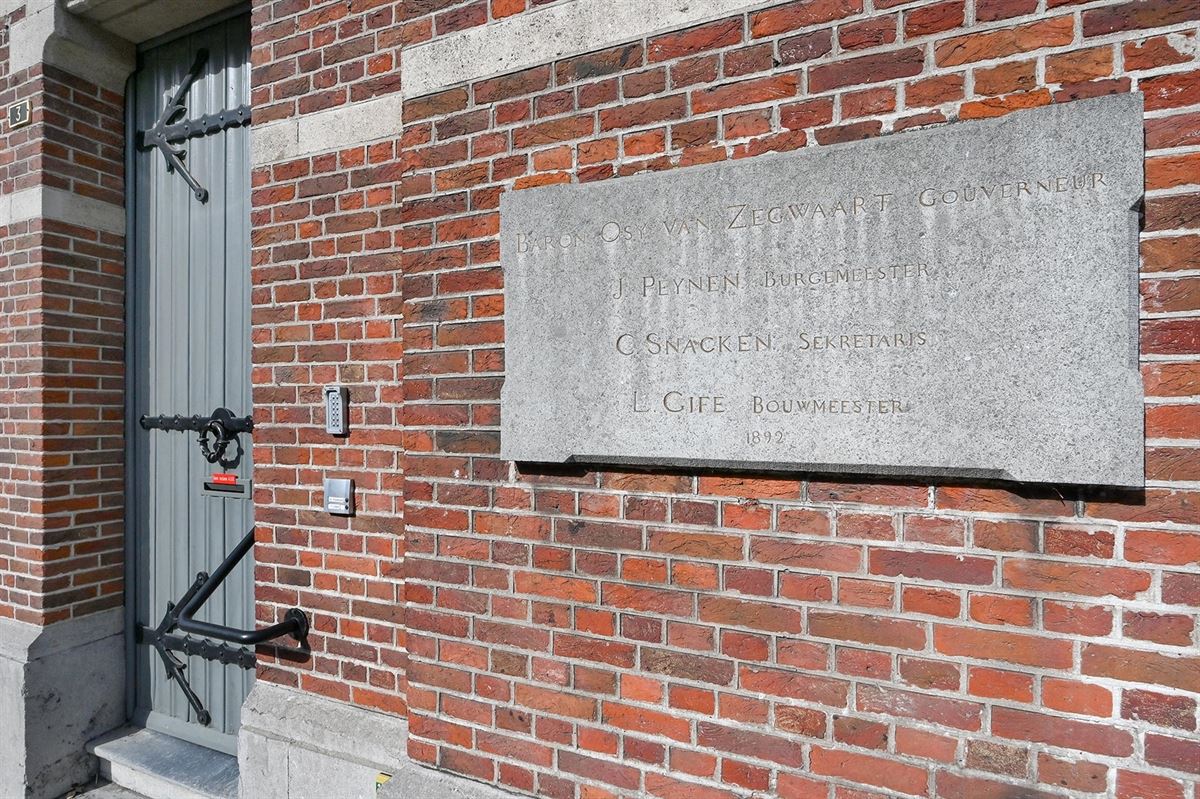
(764, 437)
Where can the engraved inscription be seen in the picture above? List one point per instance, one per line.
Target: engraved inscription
(947, 301)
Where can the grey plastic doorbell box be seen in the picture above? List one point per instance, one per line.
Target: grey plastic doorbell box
(337, 410)
(339, 496)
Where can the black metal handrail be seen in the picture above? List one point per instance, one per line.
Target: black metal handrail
(295, 622)
(179, 617)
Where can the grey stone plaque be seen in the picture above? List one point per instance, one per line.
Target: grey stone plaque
(957, 301)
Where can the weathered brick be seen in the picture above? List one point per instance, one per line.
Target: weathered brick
(1141, 666)
(801, 14)
(1138, 14)
(866, 69)
(973, 47)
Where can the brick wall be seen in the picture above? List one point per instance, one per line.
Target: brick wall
(430, 19)
(311, 55)
(17, 461)
(691, 634)
(61, 355)
(326, 309)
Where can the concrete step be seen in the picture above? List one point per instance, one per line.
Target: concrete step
(106, 791)
(161, 767)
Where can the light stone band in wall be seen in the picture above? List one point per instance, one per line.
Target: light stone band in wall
(539, 37)
(519, 42)
(45, 202)
(332, 129)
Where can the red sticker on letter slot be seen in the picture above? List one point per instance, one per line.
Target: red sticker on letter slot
(224, 478)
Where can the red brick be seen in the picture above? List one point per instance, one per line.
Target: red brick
(942, 530)
(1173, 753)
(554, 131)
(897, 633)
(728, 612)
(645, 720)
(599, 769)
(805, 47)
(1079, 542)
(671, 788)
(750, 488)
(1070, 578)
(801, 721)
(1027, 650)
(683, 665)
(1132, 785)
(998, 758)
(1005, 78)
(1131, 665)
(1076, 775)
(1005, 42)
(936, 710)
(515, 84)
(1101, 739)
(1064, 617)
(652, 600)
(1162, 628)
(556, 586)
(1158, 546)
(807, 114)
(874, 526)
(723, 33)
(931, 601)
(1156, 51)
(800, 14)
(871, 32)
(794, 685)
(806, 555)
(925, 745)
(1173, 90)
(931, 19)
(1079, 65)
(1164, 710)
(1138, 14)
(749, 744)
(747, 92)
(1006, 536)
(993, 10)
(934, 566)
(1076, 697)
(956, 786)
(1025, 501)
(866, 69)
(869, 770)
(998, 609)
(997, 684)
(860, 732)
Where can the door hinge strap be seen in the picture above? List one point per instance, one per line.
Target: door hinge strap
(166, 133)
(201, 126)
(218, 652)
(166, 641)
(217, 431)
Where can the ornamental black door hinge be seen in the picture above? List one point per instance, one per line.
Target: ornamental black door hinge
(179, 631)
(168, 130)
(217, 431)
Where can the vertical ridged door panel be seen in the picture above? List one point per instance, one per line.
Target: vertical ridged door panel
(189, 354)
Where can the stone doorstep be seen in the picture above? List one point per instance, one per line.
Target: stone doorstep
(158, 766)
(106, 791)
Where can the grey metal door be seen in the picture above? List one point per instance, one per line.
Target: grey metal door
(188, 353)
